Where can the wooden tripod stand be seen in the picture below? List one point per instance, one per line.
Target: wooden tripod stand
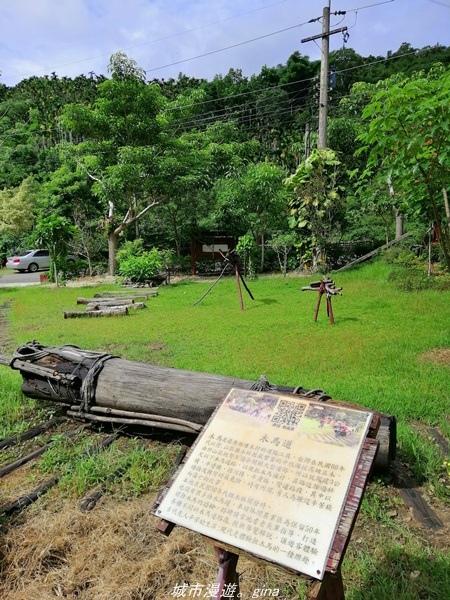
(231, 259)
(324, 286)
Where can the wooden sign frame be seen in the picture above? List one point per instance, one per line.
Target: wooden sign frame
(330, 580)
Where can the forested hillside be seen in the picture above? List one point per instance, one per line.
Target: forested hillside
(91, 162)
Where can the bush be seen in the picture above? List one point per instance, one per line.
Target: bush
(129, 249)
(400, 256)
(415, 279)
(410, 280)
(68, 269)
(141, 268)
(410, 272)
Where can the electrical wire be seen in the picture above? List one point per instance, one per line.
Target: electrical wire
(198, 118)
(237, 45)
(370, 6)
(178, 62)
(274, 87)
(310, 80)
(164, 38)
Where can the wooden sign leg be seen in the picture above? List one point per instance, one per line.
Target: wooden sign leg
(318, 306)
(241, 302)
(227, 577)
(330, 311)
(330, 588)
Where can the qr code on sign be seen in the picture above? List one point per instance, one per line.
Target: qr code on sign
(288, 414)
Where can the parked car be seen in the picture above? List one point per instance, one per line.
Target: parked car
(32, 260)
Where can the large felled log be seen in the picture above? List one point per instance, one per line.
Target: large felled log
(102, 387)
(106, 301)
(93, 306)
(137, 295)
(113, 311)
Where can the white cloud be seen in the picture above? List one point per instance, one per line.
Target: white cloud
(78, 36)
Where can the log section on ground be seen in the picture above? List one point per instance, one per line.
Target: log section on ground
(101, 387)
(95, 307)
(126, 294)
(114, 311)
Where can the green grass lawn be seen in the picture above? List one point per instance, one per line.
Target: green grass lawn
(375, 356)
(372, 356)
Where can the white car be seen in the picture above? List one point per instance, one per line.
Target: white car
(32, 260)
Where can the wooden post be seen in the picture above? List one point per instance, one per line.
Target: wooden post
(318, 305)
(330, 310)
(324, 286)
(227, 576)
(330, 588)
(241, 302)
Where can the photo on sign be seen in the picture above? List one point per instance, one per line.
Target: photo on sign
(261, 477)
(330, 425)
(259, 408)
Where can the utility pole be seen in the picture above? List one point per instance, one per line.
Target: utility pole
(323, 97)
(324, 70)
(307, 141)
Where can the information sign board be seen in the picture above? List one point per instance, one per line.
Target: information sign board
(269, 475)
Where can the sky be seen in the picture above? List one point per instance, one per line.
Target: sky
(166, 37)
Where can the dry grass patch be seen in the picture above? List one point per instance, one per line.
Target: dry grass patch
(112, 553)
(437, 355)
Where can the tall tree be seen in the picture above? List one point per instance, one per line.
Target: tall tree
(257, 199)
(123, 139)
(17, 208)
(407, 137)
(316, 202)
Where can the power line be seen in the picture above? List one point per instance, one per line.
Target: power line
(178, 62)
(196, 118)
(205, 116)
(261, 37)
(249, 93)
(291, 83)
(167, 37)
(370, 6)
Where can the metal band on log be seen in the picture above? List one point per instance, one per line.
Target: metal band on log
(101, 387)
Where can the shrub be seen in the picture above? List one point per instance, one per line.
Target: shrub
(179, 264)
(416, 279)
(410, 280)
(129, 249)
(400, 255)
(139, 269)
(68, 269)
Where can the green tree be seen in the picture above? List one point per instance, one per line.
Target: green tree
(17, 208)
(256, 198)
(407, 140)
(54, 233)
(316, 202)
(283, 244)
(121, 153)
(68, 193)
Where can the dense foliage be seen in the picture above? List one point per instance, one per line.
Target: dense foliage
(171, 161)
